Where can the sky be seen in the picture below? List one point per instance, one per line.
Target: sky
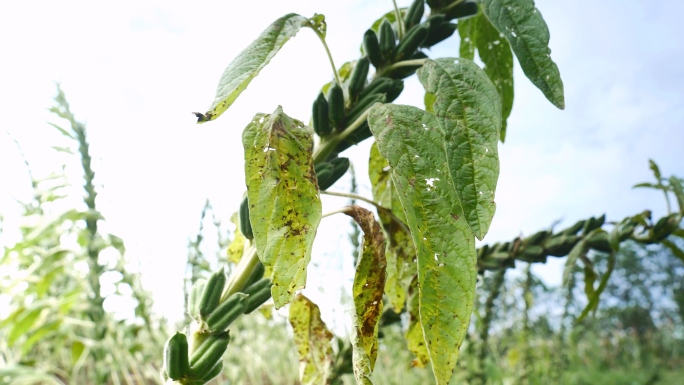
(134, 71)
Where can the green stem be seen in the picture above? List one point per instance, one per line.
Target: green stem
(353, 196)
(330, 58)
(400, 20)
(242, 273)
(405, 63)
(329, 144)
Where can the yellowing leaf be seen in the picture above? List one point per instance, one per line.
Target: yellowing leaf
(284, 203)
(414, 334)
(369, 284)
(237, 245)
(313, 339)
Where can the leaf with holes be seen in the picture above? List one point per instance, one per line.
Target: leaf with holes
(284, 203)
(526, 30)
(413, 143)
(369, 285)
(313, 339)
(468, 114)
(247, 65)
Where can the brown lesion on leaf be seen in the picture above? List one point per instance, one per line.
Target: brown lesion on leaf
(456, 217)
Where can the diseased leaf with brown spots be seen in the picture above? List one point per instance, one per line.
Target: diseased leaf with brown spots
(284, 203)
(369, 285)
(313, 340)
(414, 334)
(400, 252)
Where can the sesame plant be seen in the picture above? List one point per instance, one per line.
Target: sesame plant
(433, 171)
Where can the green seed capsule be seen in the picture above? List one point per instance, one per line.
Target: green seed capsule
(414, 14)
(256, 275)
(212, 293)
(364, 104)
(176, 364)
(387, 40)
(439, 33)
(372, 48)
(358, 77)
(227, 312)
(245, 224)
(205, 359)
(259, 293)
(467, 9)
(336, 106)
(320, 117)
(413, 39)
(378, 86)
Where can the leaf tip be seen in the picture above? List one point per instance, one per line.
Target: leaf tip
(203, 118)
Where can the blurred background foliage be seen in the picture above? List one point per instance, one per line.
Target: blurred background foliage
(57, 328)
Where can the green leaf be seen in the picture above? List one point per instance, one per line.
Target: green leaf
(496, 54)
(594, 300)
(579, 249)
(369, 285)
(526, 30)
(656, 170)
(24, 323)
(313, 339)
(40, 334)
(590, 277)
(467, 31)
(77, 349)
(678, 189)
(468, 111)
(676, 251)
(410, 140)
(285, 207)
(247, 65)
(414, 334)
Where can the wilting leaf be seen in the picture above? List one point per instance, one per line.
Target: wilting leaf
(468, 112)
(369, 285)
(410, 139)
(248, 63)
(313, 339)
(523, 26)
(284, 204)
(400, 252)
(414, 334)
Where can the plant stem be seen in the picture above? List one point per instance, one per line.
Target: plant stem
(405, 63)
(242, 273)
(400, 20)
(353, 196)
(327, 145)
(343, 210)
(330, 58)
